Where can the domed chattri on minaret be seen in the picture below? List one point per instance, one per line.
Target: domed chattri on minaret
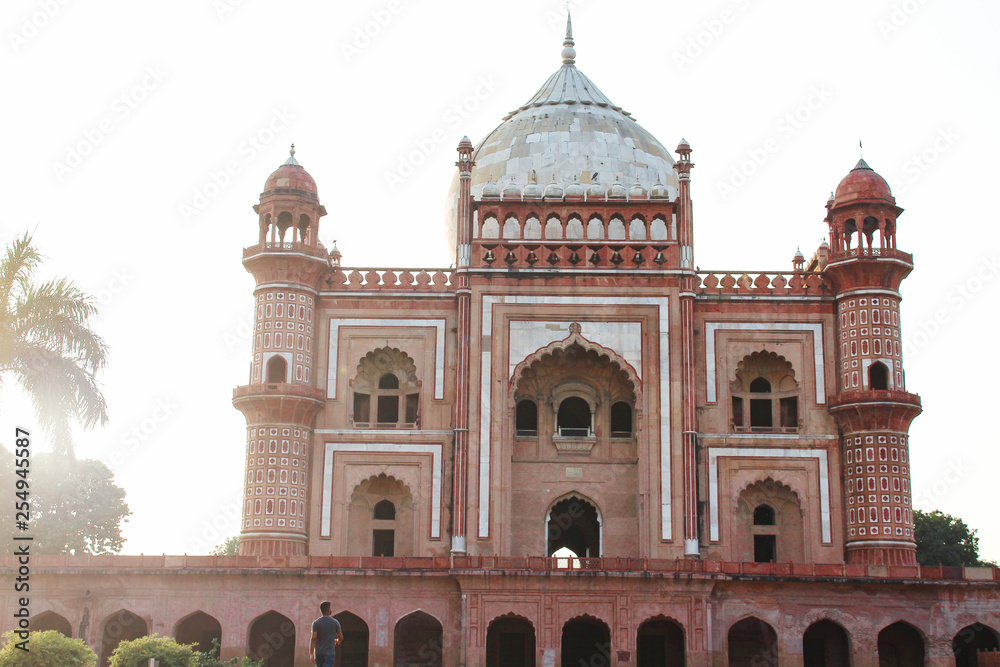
(872, 408)
(281, 400)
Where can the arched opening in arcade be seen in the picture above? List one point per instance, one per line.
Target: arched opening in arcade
(418, 640)
(970, 641)
(900, 645)
(586, 641)
(200, 629)
(573, 523)
(353, 651)
(825, 644)
(271, 639)
(49, 620)
(660, 643)
(121, 626)
(752, 643)
(510, 642)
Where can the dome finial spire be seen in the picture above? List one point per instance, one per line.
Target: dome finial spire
(291, 157)
(568, 52)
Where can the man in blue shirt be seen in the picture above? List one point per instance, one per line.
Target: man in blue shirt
(326, 636)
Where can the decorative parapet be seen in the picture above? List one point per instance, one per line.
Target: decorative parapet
(390, 280)
(88, 564)
(767, 283)
(268, 389)
(579, 255)
(278, 246)
(887, 253)
(874, 396)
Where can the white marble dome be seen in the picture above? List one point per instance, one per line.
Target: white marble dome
(569, 131)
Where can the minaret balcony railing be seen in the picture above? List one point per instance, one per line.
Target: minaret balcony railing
(887, 253)
(290, 389)
(285, 246)
(875, 396)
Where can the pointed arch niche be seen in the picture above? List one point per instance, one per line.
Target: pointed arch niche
(386, 391)
(381, 518)
(583, 394)
(573, 416)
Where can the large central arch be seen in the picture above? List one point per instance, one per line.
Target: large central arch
(574, 522)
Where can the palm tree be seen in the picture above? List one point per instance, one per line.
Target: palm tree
(46, 344)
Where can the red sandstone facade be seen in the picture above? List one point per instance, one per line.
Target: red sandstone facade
(574, 447)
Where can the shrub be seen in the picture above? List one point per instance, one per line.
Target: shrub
(137, 652)
(46, 648)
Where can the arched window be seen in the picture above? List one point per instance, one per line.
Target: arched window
(763, 515)
(760, 408)
(277, 369)
(765, 395)
(878, 376)
(384, 511)
(526, 418)
(768, 524)
(621, 420)
(386, 391)
(574, 418)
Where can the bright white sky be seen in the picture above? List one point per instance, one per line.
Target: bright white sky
(917, 81)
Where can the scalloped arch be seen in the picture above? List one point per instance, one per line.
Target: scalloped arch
(777, 359)
(576, 338)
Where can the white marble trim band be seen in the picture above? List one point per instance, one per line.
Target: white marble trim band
(335, 324)
(757, 452)
(433, 449)
(815, 327)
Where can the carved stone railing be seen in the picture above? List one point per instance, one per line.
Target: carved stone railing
(390, 280)
(264, 389)
(770, 283)
(580, 255)
(278, 246)
(89, 565)
(889, 253)
(874, 396)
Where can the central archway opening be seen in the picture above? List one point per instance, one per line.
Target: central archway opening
(586, 641)
(510, 642)
(900, 645)
(353, 651)
(199, 629)
(271, 639)
(122, 626)
(574, 524)
(825, 644)
(418, 640)
(660, 642)
(753, 643)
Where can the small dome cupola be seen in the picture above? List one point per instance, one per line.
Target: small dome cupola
(290, 178)
(862, 213)
(862, 183)
(289, 208)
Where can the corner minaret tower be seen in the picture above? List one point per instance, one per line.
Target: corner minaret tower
(873, 409)
(281, 400)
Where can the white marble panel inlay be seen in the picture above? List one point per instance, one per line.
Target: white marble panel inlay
(625, 338)
(814, 327)
(335, 324)
(759, 452)
(433, 449)
(485, 388)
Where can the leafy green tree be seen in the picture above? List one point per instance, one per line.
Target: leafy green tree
(945, 540)
(76, 507)
(46, 649)
(46, 345)
(137, 652)
(231, 547)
